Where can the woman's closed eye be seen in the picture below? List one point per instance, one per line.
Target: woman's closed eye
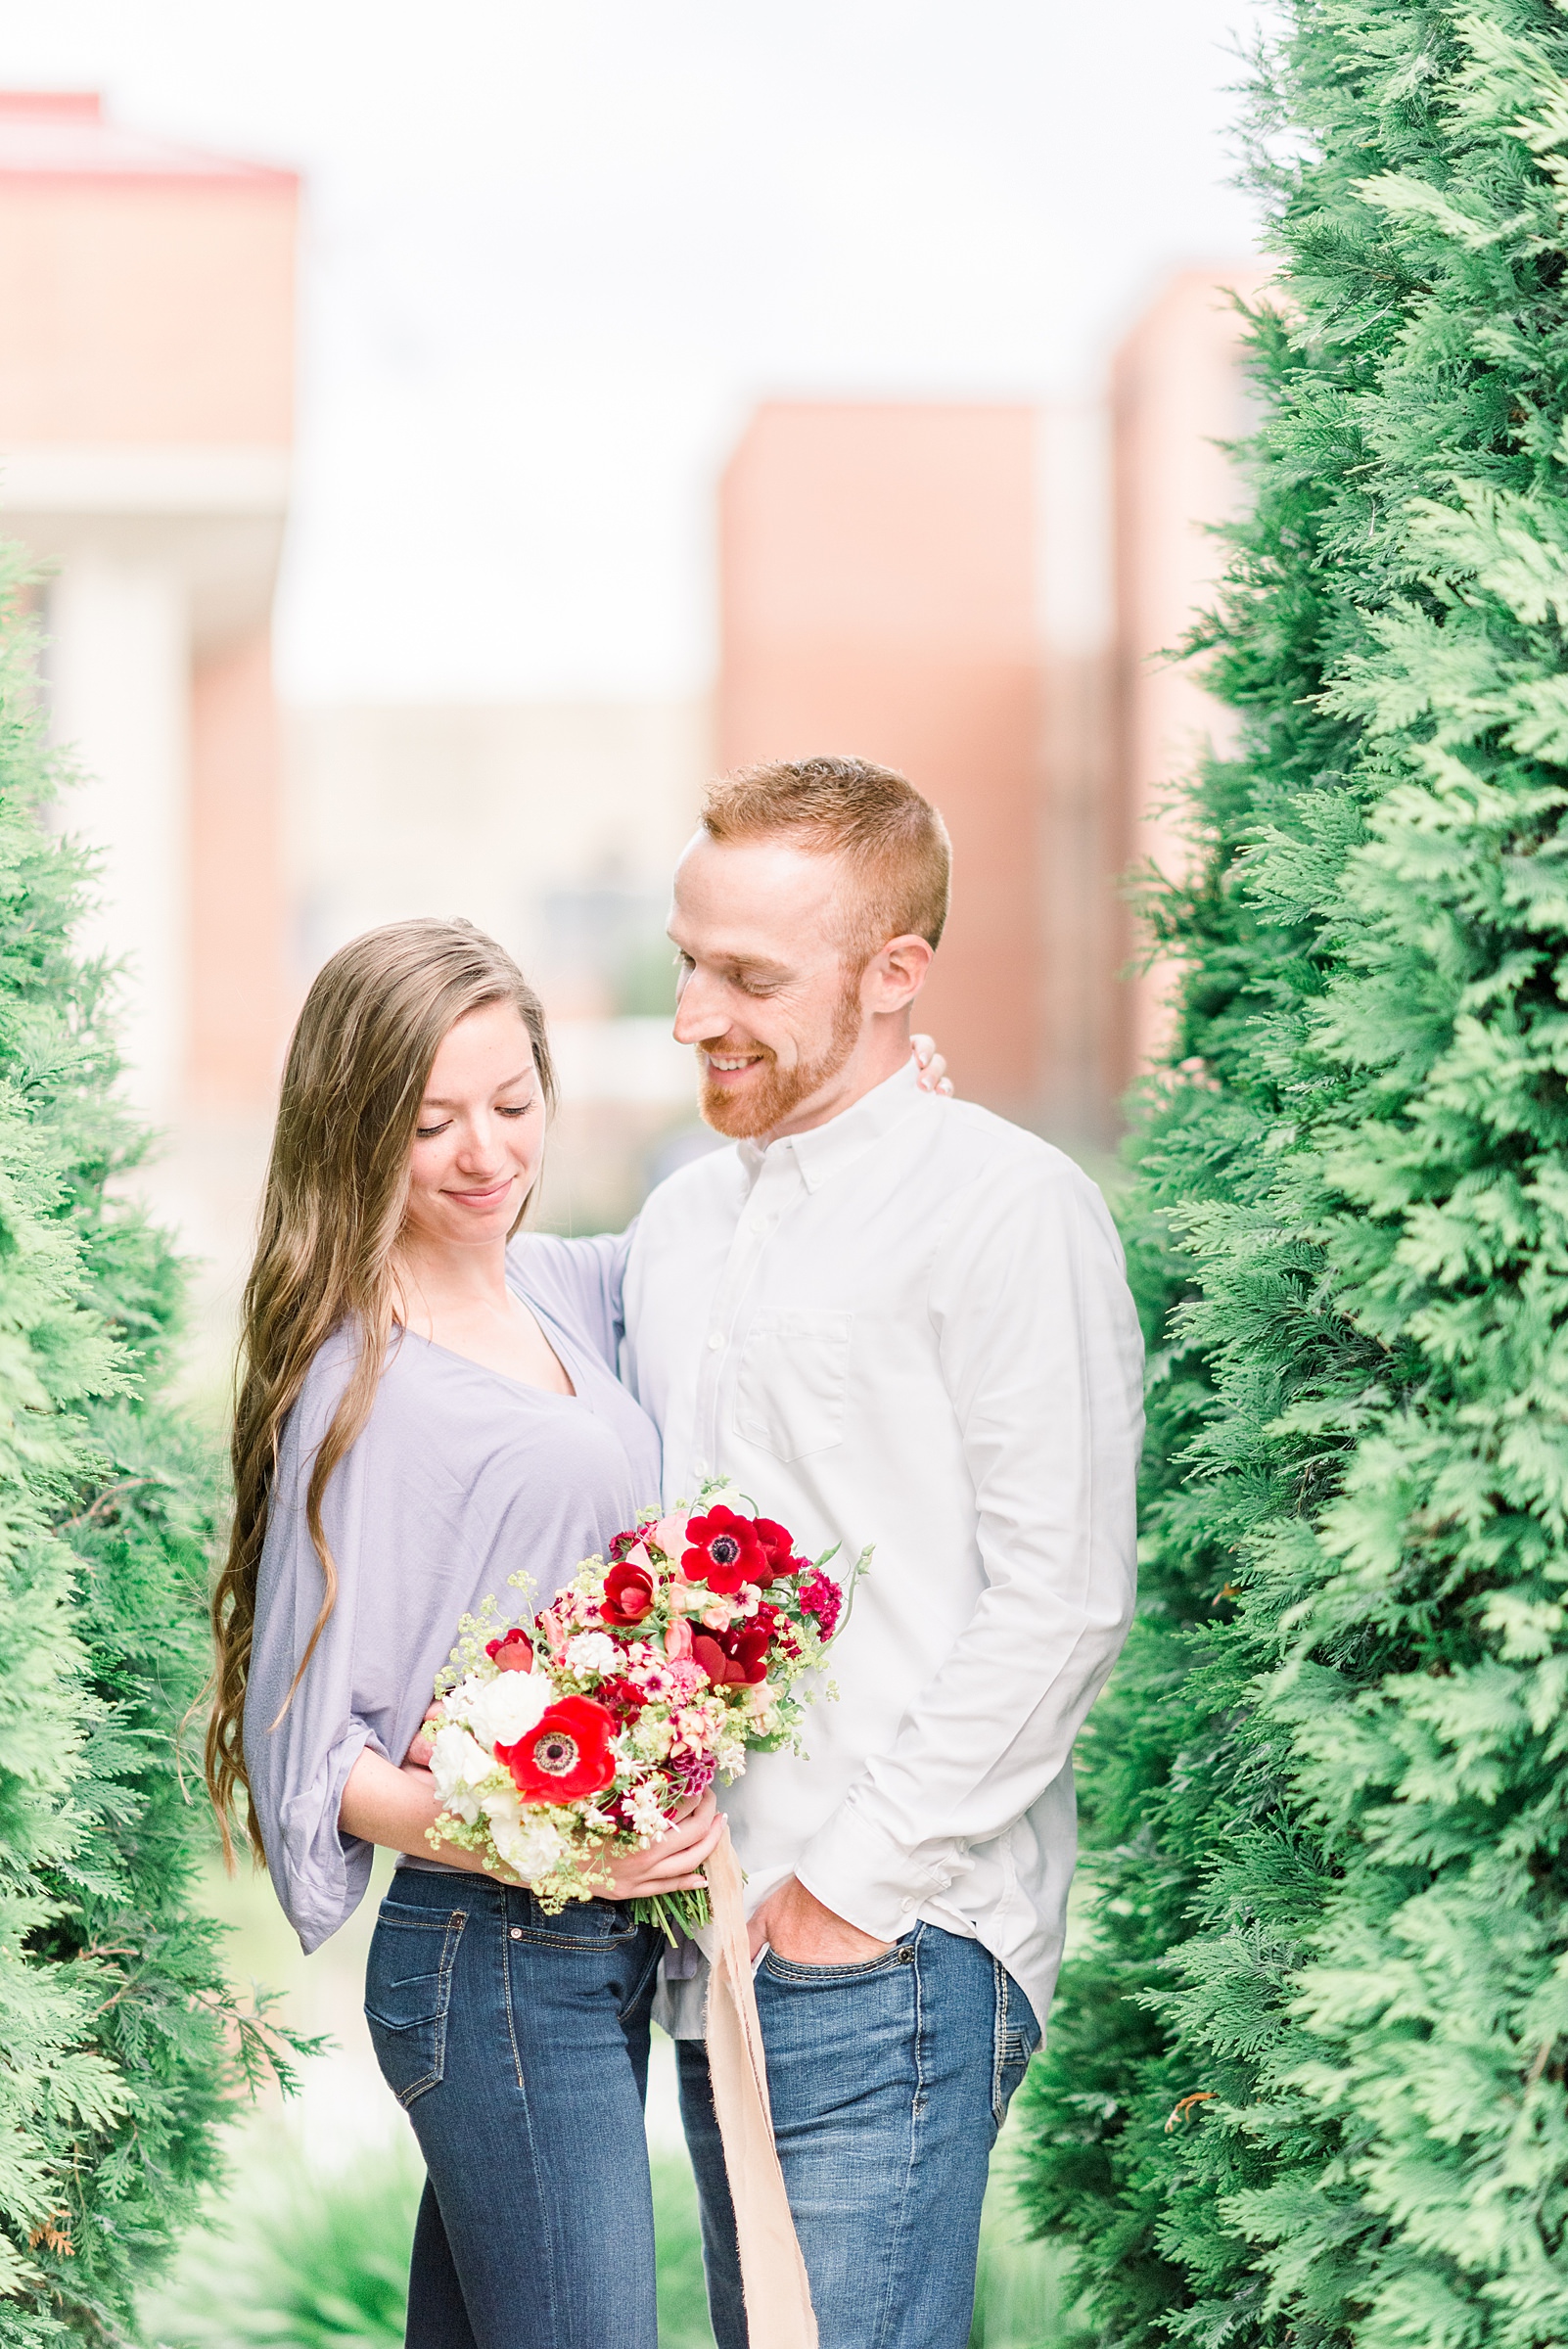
(503, 1109)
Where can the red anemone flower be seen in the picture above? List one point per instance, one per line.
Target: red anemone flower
(725, 1553)
(565, 1755)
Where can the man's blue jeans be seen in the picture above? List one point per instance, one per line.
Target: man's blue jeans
(888, 2082)
(518, 2044)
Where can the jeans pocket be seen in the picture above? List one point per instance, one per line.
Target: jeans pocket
(408, 1991)
(581, 1925)
(828, 1977)
(1017, 2036)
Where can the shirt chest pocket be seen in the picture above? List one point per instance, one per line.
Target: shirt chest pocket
(792, 1378)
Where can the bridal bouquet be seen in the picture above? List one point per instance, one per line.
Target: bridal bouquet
(559, 1743)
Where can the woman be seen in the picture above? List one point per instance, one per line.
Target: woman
(423, 1410)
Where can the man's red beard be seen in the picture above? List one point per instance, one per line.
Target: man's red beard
(773, 1094)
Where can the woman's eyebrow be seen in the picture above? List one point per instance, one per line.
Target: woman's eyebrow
(440, 1100)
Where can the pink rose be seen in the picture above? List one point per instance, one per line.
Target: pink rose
(677, 1639)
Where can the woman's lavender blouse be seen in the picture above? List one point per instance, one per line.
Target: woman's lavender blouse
(460, 1478)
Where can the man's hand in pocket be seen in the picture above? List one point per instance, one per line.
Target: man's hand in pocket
(795, 1923)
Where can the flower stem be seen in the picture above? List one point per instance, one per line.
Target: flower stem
(674, 1912)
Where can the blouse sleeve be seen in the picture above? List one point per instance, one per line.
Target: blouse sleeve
(580, 1281)
(299, 1751)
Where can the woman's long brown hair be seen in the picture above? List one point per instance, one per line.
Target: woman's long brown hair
(331, 1211)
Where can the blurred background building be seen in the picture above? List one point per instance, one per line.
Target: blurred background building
(975, 591)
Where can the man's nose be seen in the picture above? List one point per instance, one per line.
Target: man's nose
(698, 1011)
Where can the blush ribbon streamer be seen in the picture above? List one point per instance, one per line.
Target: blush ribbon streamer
(778, 2297)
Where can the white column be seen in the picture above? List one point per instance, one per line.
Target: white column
(119, 662)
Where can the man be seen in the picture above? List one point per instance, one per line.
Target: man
(894, 1319)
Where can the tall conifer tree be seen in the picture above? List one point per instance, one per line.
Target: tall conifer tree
(121, 2044)
(1306, 2083)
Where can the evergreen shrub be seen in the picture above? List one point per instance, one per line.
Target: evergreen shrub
(120, 2044)
(1307, 2081)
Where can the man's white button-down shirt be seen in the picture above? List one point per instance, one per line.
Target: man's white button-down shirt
(910, 1327)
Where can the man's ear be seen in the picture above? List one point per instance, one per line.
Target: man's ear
(893, 978)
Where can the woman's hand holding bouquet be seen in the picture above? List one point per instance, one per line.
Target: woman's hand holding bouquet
(564, 1751)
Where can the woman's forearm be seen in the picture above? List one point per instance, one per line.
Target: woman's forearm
(383, 1804)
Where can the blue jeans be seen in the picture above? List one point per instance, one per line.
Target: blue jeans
(888, 2082)
(518, 2044)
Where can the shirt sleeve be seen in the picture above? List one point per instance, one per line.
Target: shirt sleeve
(1042, 1358)
(300, 1750)
(581, 1281)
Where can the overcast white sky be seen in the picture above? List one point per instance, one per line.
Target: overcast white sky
(554, 251)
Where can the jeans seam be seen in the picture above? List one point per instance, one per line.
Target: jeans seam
(890, 2314)
(455, 1934)
(998, 2042)
(551, 2281)
(506, 1993)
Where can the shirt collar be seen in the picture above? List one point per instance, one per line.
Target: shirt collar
(826, 1150)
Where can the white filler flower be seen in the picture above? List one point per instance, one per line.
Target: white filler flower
(592, 1652)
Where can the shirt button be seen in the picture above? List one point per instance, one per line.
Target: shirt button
(517, 1932)
(715, 1341)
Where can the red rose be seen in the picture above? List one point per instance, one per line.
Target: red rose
(726, 1551)
(628, 1594)
(740, 1660)
(566, 1754)
(821, 1595)
(512, 1653)
(777, 1544)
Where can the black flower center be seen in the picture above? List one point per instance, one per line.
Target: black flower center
(725, 1549)
(556, 1753)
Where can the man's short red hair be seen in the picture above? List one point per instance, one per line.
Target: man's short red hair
(893, 841)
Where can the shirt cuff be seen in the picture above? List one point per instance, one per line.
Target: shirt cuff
(858, 1872)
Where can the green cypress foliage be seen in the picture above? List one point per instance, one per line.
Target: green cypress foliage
(120, 2042)
(1307, 2082)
